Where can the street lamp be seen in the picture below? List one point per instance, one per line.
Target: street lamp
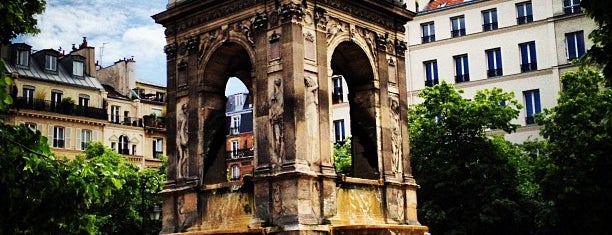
(155, 213)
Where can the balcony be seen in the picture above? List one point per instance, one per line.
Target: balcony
(429, 83)
(529, 67)
(154, 122)
(495, 72)
(574, 9)
(524, 19)
(462, 78)
(458, 33)
(489, 26)
(63, 108)
(428, 39)
(530, 120)
(126, 121)
(239, 153)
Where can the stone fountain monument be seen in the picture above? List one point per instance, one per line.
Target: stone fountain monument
(285, 52)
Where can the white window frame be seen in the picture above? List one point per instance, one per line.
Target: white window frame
(51, 62)
(77, 68)
(115, 111)
(23, 58)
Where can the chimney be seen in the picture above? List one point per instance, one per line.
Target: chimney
(90, 57)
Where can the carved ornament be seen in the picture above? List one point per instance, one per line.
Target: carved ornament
(292, 11)
(400, 47)
(320, 17)
(170, 50)
(260, 21)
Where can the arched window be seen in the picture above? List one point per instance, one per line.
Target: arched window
(123, 145)
(235, 172)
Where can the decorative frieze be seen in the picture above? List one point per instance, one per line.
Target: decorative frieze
(260, 22)
(170, 50)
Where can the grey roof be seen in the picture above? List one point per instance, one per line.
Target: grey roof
(62, 76)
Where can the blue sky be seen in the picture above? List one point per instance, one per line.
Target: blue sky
(116, 28)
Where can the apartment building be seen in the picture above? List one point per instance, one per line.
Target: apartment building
(239, 142)
(341, 117)
(61, 96)
(517, 45)
(136, 126)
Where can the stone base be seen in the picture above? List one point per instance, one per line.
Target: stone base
(383, 229)
(380, 230)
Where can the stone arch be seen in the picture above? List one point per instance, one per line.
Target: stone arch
(230, 58)
(352, 61)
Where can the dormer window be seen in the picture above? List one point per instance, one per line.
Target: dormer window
(77, 68)
(51, 62)
(23, 58)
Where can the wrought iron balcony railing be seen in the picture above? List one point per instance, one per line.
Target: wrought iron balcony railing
(59, 107)
(529, 67)
(239, 153)
(495, 72)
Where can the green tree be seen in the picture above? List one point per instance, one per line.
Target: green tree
(575, 176)
(100, 192)
(16, 17)
(601, 51)
(342, 156)
(468, 185)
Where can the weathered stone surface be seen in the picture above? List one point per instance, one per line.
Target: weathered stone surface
(285, 52)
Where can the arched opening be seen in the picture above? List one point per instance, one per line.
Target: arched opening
(352, 70)
(226, 119)
(124, 145)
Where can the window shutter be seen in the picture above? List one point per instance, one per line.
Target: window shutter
(94, 136)
(50, 135)
(67, 138)
(78, 139)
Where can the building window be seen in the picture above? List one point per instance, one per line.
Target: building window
(339, 130)
(85, 138)
(115, 113)
(429, 32)
(489, 20)
(51, 62)
(235, 172)
(528, 57)
(431, 72)
(77, 68)
(524, 13)
(235, 125)
(571, 6)
(58, 137)
(337, 92)
(458, 24)
(494, 63)
(23, 57)
(574, 45)
(28, 94)
(160, 96)
(113, 146)
(532, 105)
(83, 100)
(238, 101)
(462, 71)
(126, 118)
(235, 148)
(156, 111)
(124, 145)
(158, 148)
(56, 98)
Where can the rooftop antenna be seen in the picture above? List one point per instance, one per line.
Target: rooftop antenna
(102, 53)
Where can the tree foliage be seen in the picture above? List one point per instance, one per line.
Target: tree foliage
(468, 184)
(18, 17)
(342, 156)
(100, 192)
(575, 175)
(601, 51)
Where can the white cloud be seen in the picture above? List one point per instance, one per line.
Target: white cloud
(124, 28)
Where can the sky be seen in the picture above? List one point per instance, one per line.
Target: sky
(116, 28)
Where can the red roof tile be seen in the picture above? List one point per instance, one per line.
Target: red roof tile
(441, 3)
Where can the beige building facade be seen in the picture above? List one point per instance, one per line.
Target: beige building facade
(61, 96)
(520, 46)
